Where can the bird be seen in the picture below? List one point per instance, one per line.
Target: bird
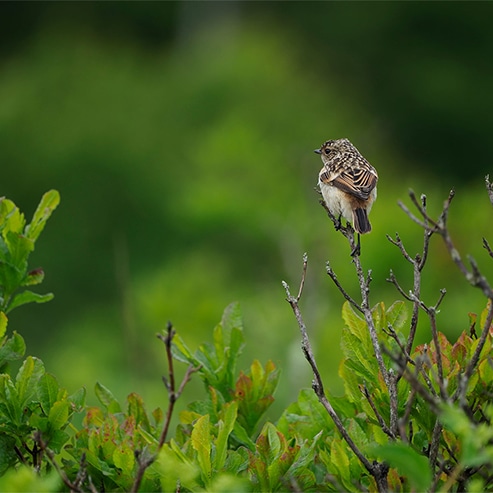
(348, 183)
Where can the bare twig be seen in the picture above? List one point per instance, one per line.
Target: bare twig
(435, 443)
(381, 421)
(472, 274)
(364, 308)
(144, 459)
(486, 245)
(51, 457)
(377, 470)
(405, 417)
(412, 378)
(460, 393)
(333, 276)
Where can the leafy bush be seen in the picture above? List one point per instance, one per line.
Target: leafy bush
(412, 418)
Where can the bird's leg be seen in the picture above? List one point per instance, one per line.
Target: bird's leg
(338, 224)
(357, 248)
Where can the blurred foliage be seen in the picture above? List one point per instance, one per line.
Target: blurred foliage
(179, 135)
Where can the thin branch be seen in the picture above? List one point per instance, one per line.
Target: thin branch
(460, 393)
(486, 245)
(392, 333)
(416, 385)
(435, 443)
(364, 308)
(379, 417)
(144, 459)
(405, 417)
(377, 470)
(51, 457)
(333, 276)
(473, 276)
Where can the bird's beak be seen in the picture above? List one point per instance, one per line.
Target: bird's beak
(317, 151)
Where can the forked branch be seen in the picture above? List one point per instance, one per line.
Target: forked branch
(376, 469)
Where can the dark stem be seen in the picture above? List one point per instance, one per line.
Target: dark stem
(51, 457)
(143, 458)
(377, 470)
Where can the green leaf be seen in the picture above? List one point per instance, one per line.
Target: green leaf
(3, 323)
(27, 379)
(10, 217)
(340, 461)
(47, 392)
(78, 400)
(19, 247)
(58, 415)
(397, 315)
(58, 439)
(34, 277)
(8, 457)
(28, 297)
(232, 318)
(26, 479)
(9, 399)
(106, 398)
(176, 470)
(49, 202)
(137, 410)
(124, 458)
(226, 426)
(201, 443)
(13, 349)
(413, 466)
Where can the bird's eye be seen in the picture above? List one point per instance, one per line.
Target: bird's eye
(327, 152)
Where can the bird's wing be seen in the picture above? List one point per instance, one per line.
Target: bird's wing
(355, 181)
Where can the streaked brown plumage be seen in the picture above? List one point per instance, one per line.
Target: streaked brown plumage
(348, 183)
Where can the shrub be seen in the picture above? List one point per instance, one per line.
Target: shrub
(411, 417)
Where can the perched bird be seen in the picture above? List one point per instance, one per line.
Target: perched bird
(348, 183)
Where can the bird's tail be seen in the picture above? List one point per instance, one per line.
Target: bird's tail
(360, 221)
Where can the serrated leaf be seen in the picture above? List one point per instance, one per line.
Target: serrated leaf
(49, 202)
(106, 398)
(27, 379)
(28, 297)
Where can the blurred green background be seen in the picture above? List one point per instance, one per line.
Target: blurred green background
(180, 137)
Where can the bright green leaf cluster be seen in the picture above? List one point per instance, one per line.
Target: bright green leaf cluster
(33, 403)
(17, 241)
